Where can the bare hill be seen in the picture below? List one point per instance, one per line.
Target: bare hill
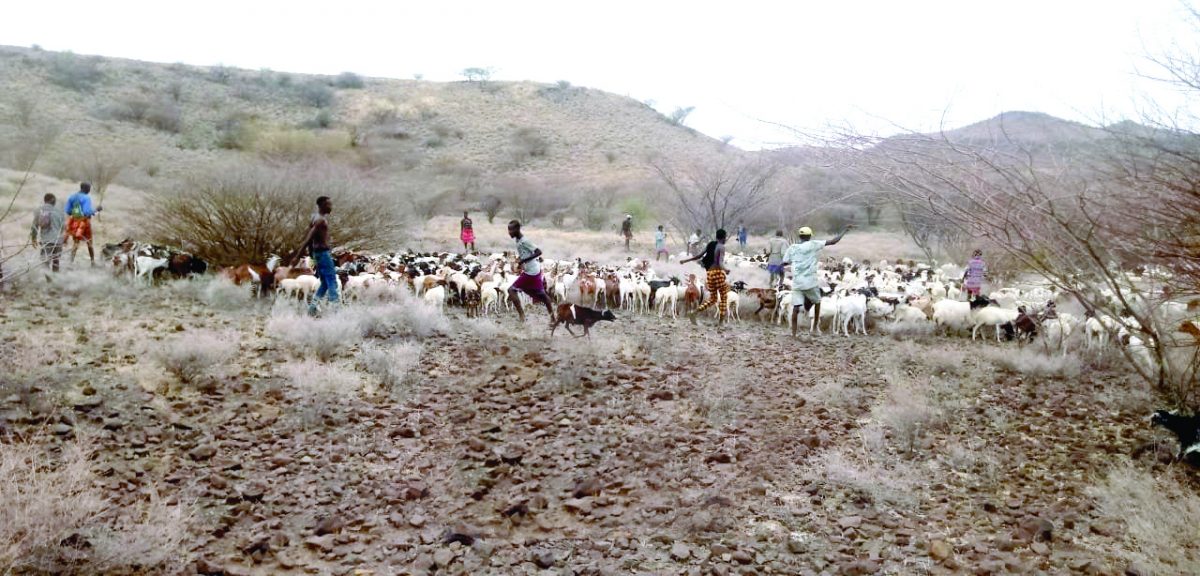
(174, 117)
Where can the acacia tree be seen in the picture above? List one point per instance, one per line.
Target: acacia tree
(1070, 222)
(716, 195)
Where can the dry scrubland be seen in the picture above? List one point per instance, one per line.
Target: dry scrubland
(185, 427)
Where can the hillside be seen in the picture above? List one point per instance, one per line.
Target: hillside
(174, 118)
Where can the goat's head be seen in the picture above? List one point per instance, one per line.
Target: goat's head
(608, 315)
(979, 302)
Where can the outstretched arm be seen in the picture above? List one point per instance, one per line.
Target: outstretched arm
(838, 238)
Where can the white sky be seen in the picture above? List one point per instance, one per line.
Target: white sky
(870, 65)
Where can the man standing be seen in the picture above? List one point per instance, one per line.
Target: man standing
(79, 222)
(466, 232)
(803, 259)
(627, 230)
(713, 260)
(318, 243)
(775, 251)
(49, 227)
(660, 244)
(530, 281)
(742, 234)
(973, 276)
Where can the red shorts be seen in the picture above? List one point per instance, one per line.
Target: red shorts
(79, 228)
(530, 284)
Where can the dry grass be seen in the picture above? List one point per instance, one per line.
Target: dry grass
(323, 338)
(320, 390)
(1034, 363)
(54, 520)
(908, 409)
(1159, 515)
(866, 473)
(834, 394)
(193, 356)
(391, 364)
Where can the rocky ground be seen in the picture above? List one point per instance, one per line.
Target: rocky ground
(655, 448)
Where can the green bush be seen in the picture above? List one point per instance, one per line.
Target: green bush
(348, 80)
(77, 73)
(637, 207)
(316, 94)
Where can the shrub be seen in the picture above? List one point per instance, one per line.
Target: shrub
(323, 119)
(320, 337)
(315, 93)
(194, 355)
(220, 74)
(528, 142)
(392, 365)
(491, 205)
(637, 207)
(407, 317)
(164, 115)
(75, 72)
(320, 390)
(907, 410)
(594, 208)
(300, 145)
(236, 214)
(1159, 515)
(1033, 363)
(348, 80)
(236, 131)
(867, 474)
(55, 520)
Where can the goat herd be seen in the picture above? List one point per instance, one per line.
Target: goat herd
(853, 294)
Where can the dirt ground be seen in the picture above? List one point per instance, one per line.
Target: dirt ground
(655, 448)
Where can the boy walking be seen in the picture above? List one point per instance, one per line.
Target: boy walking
(49, 227)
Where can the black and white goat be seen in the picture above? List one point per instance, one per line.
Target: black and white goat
(1186, 429)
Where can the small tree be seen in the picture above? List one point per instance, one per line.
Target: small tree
(348, 81)
(679, 116)
(476, 74)
(491, 205)
(711, 196)
(246, 212)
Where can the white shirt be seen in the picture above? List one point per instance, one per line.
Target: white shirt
(525, 249)
(803, 257)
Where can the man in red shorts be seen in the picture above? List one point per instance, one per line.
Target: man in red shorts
(79, 220)
(530, 280)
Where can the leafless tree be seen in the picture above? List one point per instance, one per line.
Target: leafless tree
(716, 195)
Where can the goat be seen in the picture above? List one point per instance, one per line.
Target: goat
(1186, 429)
(983, 314)
(666, 296)
(568, 314)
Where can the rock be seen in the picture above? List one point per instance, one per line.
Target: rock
(320, 543)
(113, 424)
(203, 452)
(1137, 569)
(859, 568)
(417, 521)
(61, 429)
(796, 545)
(329, 525)
(662, 395)
(742, 557)
(86, 403)
(578, 505)
(207, 568)
(940, 550)
(1039, 548)
(680, 552)
(1035, 530)
(443, 557)
(460, 536)
(543, 559)
(588, 487)
(850, 521)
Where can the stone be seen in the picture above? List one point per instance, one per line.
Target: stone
(329, 525)
(680, 552)
(61, 429)
(1035, 530)
(320, 543)
(443, 557)
(940, 550)
(741, 557)
(203, 452)
(850, 521)
(1039, 548)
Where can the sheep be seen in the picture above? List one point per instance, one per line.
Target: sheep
(145, 266)
(666, 296)
(983, 314)
(850, 307)
(436, 296)
(951, 314)
(907, 313)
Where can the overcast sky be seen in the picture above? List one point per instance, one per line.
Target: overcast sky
(808, 65)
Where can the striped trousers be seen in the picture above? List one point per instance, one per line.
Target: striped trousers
(718, 292)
